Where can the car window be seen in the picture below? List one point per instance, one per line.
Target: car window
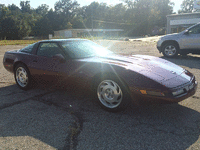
(195, 30)
(28, 49)
(49, 49)
(83, 49)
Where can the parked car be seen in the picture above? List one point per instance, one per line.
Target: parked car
(185, 42)
(115, 79)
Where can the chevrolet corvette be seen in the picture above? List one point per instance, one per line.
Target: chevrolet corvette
(115, 79)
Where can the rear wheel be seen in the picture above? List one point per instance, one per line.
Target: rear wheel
(22, 76)
(170, 50)
(112, 94)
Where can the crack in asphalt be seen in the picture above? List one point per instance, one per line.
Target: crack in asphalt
(12, 104)
(75, 128)
(22, 101)
(12, 93)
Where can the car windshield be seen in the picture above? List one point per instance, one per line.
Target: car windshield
(83, 49)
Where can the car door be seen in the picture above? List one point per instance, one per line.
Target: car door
(73, 72)
(44, 65)
(191, 39)
(46, 68)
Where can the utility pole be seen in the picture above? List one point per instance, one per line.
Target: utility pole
(92, 21)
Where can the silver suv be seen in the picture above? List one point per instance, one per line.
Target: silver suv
(185, 42)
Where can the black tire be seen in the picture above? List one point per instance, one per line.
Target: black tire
(112, 94)
(170, 50)
(22, 76)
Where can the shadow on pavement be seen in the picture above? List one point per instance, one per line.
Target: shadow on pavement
(44, 120)
(27, 123)
(190, 61)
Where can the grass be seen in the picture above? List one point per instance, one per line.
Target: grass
(24, 42)
(17, 42)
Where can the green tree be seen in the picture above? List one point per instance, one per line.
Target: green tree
(9, 29)
(163, 8)
(95, 11)
(145, 15)
(186, 6)
(66, 10)
(4, 11)
(137, 17)
(42, 9)
(77, 22)
(14, 24)
(115, 14)
(46, 25)
(16, 27)
(25, 6)
(24, 24)
(14, 9)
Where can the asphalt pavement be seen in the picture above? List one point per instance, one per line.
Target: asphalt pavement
(60, 118)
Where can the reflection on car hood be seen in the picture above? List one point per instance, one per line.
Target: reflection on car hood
(171, 36)
(155, 68)
(152, 67)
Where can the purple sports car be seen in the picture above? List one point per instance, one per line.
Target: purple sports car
(115, 79)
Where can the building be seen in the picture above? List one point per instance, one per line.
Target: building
(179, 22)
(73, 33)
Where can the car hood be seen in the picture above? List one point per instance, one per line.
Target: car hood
(171, 36)
(149, 65)
(152, 67)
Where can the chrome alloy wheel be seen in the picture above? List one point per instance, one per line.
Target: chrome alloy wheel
(109, 94)
(170, 50)
(21, 76)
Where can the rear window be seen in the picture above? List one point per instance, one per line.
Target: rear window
(27, 49)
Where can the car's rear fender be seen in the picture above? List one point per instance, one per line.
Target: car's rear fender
(8, 61)
(12, 59)
(16, 63)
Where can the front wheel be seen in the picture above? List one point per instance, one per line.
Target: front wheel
(112, 94)
(170, 50)
(22, 76)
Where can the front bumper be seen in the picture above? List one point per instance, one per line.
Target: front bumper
(166, 99)
(159, 48)
(159, 44)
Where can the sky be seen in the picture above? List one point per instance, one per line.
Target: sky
(36, 3)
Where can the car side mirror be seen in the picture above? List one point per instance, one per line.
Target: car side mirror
(59, 57)
(186, 32)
